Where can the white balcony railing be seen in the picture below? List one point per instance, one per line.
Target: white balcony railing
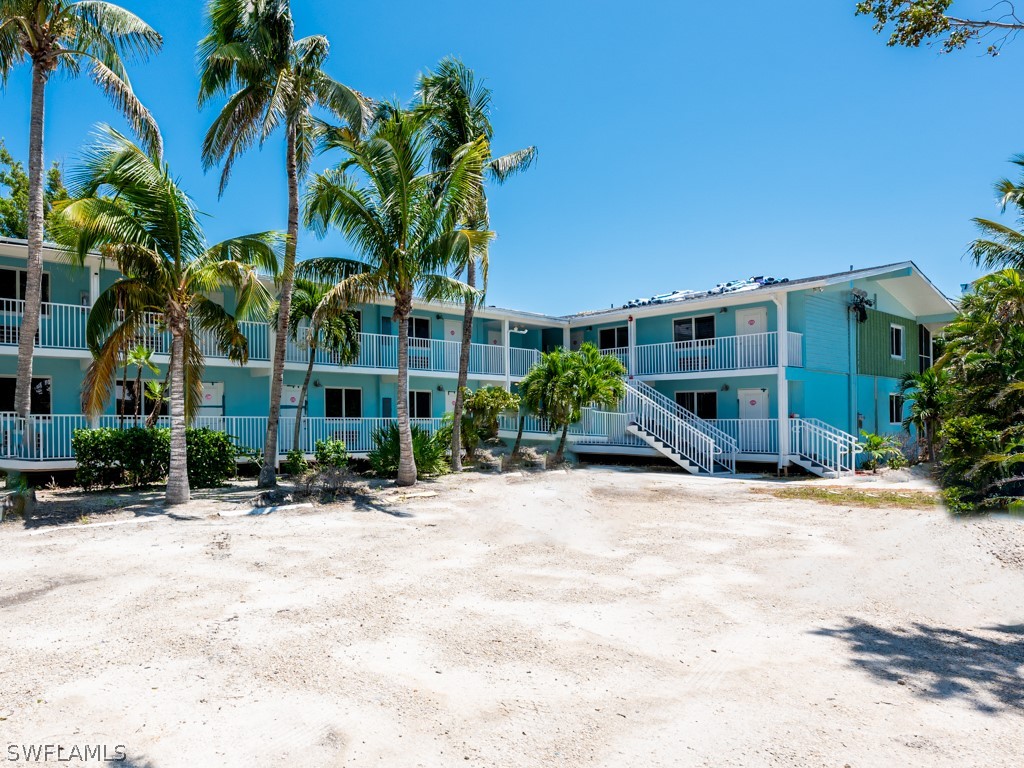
(522, 360)
(751, 435)
(725, 353)
(619, 353)
(61, 326)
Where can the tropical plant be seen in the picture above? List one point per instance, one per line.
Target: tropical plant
(331, 453)
(485, 406)
(333, 330)
(1001, 246)
(405, 223)
(595, 381)
(924, 392)
(877, 448)
(272, 80)
(459, 111)
(14, 206)
(128, 207)
(156, 393)
(545, 392)
(430, 451)
(295, 463)
(141, 357)
(56, 35)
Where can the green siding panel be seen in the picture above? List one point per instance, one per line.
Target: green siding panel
(873, 355)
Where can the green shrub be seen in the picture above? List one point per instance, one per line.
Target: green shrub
(877, 450)
(211, 457)
(429, 451)
(295, 463)
(137, 456)
(965, 441)
(331, 453)
(898, 461)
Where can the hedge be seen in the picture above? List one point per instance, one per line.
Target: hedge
(137, 456)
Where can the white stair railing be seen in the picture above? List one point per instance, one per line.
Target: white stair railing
(822, 443)
(679, 435)
(726, 445)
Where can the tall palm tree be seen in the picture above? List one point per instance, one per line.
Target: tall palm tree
(272, 80)
(924, 392)
(332, 330)
(403, 220)
(56, 35)
(459, 111)
(127, 206)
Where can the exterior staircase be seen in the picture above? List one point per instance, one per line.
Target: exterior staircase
(692, 443)
(822, 449)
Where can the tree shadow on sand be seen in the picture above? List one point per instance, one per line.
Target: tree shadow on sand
(984, 668)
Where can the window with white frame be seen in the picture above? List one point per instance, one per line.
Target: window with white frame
(895, 408)
(924, 346)
(896, 341)
(12, 287)
(343, 403)
(703, 405)
(613, 338)
(41, 403)
(419, 404)
(693, 328)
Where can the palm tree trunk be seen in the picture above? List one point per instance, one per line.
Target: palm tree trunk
(302, 396)
(464, 350)
(406, 459)
(138, 394)
(34, 263)
(124, 392)
(560, 453)
(268, 475)
(519, 436)
(177, 478)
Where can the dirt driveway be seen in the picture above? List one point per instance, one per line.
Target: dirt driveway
(595, 617)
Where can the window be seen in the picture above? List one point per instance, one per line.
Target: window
(693, 328)
(128, 400)
(343, 403)
(613, 338)
(358, 314)
(419, 405)
(896, 341)
(924, 346)
(40, 395)
(895, 409)
(704, 405)
(419, 328)
(12, 286)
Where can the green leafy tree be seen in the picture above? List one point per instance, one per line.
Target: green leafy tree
(272, 80)
(458, 107)
(405, 223)
(878, 448)
(925, 393)
(595, 380)
(913, 22)
(334, 330)
(67, 37)
(14, 206)
(127, 206)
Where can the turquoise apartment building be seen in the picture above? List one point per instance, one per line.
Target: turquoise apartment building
(780, 374)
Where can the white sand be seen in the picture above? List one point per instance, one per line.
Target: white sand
(586, 618)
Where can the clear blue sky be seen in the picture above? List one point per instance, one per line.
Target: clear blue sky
(680, 145)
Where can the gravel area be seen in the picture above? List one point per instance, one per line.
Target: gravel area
(590, 617)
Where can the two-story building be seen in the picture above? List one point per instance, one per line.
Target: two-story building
(780, 374)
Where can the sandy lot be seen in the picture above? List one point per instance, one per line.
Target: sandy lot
(596, 617)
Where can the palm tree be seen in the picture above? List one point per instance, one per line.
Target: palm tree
(403, 220)
(141, 357)
(337, 332)
(127, 206)
(272, 80)
(924, 392)
(545, 392)
(459, 111)
(595, 380)
(56, 35)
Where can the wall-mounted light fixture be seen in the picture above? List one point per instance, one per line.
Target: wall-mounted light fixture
(439, 316)
(316, 382)
(725, 387)
(723, 310)
(440, 387)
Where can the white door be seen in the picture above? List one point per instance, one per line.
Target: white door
(494, 338)
(449, 401)
(755, 430)
(751, 344)
(212, 403)
(575, 340)
(453, 333)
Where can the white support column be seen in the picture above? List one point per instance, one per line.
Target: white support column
(631, 346)
(566, 337)
(507, 336)
(94, 284)
(782, 324)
